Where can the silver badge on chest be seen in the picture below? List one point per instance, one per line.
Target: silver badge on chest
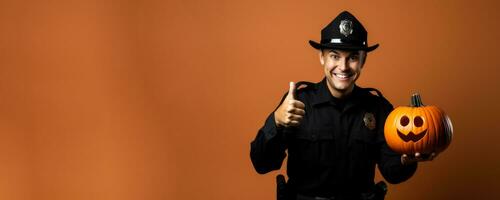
(345, 27)
(369, 120)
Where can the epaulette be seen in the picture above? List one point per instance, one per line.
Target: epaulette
(375, 90)
(306, 84)
(379, 94)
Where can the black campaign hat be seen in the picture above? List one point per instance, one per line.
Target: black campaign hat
(345, 32)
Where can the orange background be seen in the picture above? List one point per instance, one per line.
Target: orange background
(160, 99)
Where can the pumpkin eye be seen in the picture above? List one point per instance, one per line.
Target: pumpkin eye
(404, 120)
(418, 121)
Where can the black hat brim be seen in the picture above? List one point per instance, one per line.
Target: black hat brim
(342, 46)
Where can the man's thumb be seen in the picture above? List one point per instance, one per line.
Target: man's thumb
(291, 91)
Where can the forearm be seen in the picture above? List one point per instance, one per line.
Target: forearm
(268, 149)
(391, 167)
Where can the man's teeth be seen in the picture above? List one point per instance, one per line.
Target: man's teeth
(342, 75)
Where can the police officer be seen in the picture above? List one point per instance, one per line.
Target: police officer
(333, 129)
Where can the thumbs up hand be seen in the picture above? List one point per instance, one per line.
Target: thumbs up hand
(291, 111)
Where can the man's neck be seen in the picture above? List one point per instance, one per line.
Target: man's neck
(340, 94)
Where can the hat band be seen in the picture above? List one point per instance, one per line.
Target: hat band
(343, 41)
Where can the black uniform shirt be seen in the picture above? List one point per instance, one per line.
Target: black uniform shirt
(333, 151)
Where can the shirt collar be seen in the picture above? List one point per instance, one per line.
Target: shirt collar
(323, 95)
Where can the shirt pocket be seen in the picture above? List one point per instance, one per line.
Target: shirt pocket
(314, 148)
(364, 145)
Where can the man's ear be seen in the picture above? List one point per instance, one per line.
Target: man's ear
(365, 55)
(364, 60)
(321, 60)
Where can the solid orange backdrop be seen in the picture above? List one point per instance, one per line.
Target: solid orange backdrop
(160, 99)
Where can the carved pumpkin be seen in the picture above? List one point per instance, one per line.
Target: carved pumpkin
(418, 128)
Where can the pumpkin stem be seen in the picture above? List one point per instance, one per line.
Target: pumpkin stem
(416, 100)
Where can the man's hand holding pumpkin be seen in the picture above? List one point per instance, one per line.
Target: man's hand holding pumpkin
(409, 159)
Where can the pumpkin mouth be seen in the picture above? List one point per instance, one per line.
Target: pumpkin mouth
(411, 136)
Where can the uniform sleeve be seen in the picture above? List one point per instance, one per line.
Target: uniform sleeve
(389, 162)
(268, 149)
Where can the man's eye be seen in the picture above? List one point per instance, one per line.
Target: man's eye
(354, 58)
(336, 57)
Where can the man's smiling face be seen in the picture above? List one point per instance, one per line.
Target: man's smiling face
(342, 69)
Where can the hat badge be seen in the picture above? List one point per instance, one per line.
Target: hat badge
(345, 27)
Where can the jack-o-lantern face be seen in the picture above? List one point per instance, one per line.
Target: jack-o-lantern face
(411, 128)
(418, 128)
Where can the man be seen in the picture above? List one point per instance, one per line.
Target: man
(333, 130)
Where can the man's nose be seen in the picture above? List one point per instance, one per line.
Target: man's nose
(343, 64)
